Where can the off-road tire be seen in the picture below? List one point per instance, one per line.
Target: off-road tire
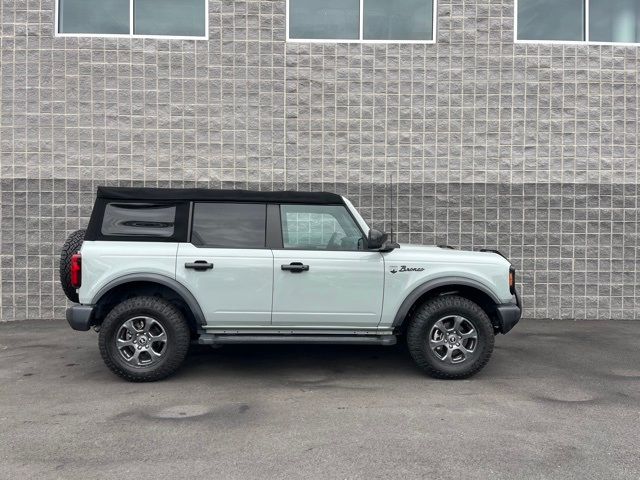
(71, 246)
(171, 320)
(424, 319)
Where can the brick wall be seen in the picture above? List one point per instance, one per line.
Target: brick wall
(531, 149)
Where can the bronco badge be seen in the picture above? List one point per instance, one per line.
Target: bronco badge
(404, 268)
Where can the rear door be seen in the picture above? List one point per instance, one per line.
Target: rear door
(226, 264)
(323, 277)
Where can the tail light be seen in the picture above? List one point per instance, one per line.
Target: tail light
(76, 270)
(512, 280)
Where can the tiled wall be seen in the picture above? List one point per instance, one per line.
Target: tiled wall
(531, 149)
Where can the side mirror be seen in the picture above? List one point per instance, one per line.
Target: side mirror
(376, 239)
(380, 241)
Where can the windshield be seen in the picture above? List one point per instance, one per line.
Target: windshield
(356, 215)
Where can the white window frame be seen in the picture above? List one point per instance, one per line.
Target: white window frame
(131, 34)
(586, 41)
(361, 31)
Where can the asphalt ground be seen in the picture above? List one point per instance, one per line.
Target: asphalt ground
(559, 399)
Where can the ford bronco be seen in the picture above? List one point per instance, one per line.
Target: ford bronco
(158, 269)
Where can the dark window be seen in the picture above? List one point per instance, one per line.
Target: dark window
(319, 227)
(139, 219)
(229, 225)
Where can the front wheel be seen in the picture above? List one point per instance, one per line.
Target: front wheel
(144, 339)
(450, 337)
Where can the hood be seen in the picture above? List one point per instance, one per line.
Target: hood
(431, 253)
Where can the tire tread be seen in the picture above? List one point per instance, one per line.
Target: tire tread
(415, 335)
(71, 245)
(170, 314)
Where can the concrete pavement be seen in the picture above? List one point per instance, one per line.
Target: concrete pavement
(559, 399)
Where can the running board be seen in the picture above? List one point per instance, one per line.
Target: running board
(294, 330)
(211, 339)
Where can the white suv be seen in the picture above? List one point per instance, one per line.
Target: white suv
(157, 269)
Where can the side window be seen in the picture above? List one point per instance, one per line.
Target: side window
(139, 219)
(319, 227)
(229, 225)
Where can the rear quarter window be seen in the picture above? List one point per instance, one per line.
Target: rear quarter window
(139, 219)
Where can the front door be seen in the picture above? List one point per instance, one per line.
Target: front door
(227, 266)
(322, 276)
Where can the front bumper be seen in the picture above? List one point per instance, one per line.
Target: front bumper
(80, 316)
(509, 314)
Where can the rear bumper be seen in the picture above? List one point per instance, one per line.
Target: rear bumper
(509, 314)
(80, 316)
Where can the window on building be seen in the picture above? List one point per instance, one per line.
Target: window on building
(319, 227)
(398, 20)
(229, 225)
(361, 20)
(335, 19)
(162, 18)
(614, 21)
(109, 17)
(551, 20)
(598, 21)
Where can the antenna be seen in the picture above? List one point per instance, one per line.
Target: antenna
(391, 195)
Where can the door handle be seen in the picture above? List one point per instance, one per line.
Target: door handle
(295, 267)
(199, 265)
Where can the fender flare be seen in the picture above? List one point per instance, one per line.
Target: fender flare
(168, 282)
(429, 285)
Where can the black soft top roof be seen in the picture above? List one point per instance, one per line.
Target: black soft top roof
(205, 194)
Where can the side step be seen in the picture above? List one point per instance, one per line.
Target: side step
(212, 339)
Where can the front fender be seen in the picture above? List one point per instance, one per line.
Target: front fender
(433, 284)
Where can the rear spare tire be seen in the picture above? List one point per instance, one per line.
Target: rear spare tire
(70, 247)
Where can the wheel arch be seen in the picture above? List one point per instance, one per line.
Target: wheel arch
(151, 284)
(465, 287)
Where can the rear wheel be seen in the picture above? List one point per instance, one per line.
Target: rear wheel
(450, 337)
(144, 339)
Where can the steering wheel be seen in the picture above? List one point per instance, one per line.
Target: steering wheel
(333, 242)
